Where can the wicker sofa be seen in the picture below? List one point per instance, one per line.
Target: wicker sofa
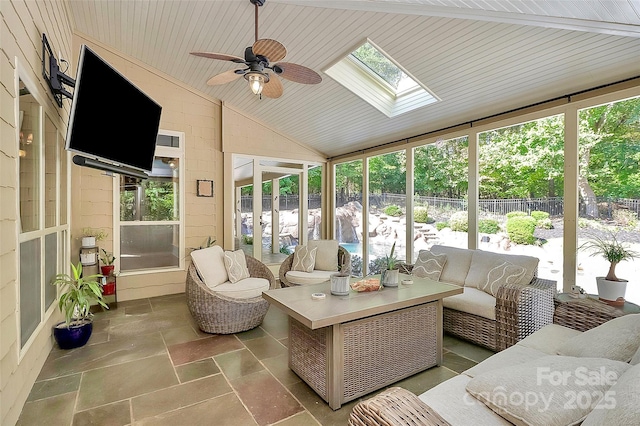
(317, 275)
(495, 322)
(556, 376)
(224, 308)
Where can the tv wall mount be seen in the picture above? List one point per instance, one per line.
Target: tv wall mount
(56, 79)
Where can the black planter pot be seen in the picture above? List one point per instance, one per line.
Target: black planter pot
(73, 337)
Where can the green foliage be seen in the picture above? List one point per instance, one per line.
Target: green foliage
(516, 213)
(98, 234)
(285, 250)
(356, 265)
(441, 225)
(420, 214)
(459, 221)
(387, 173)
(107, 258)
(247, 239)
(78, 294)
(611, 249)
(379, 63)
(488, 226)
(544, 223)
(393, 210)
(538, 215)
(521, 228)
(390, 260)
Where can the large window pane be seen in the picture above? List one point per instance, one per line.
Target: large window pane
(387, 208)
(148, 247)
(315, 202)
(348, 227)
(50, 268)
(29, 151)
(62, 159)
(609, 185)
(30, 289)
(521, 192)
(441, 184)
(50, 178)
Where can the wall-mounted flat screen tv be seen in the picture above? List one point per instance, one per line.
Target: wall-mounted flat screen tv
(111, 119)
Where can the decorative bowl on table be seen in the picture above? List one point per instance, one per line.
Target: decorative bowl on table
(367, 284)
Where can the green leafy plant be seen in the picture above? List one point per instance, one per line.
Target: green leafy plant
(393, 210)
(390, 260)
(247, 239)
(96, 233)
(78, 294)
(441, 225)
(610, 248)
(420, 214)
(516, 213)
(459, 221)
(488, 226)
(107, 258)
(521, 228)
(538, 215)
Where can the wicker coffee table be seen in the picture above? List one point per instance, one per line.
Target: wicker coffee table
(348, 346)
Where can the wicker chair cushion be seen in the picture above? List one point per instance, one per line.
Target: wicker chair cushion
(501, 274)
(304, 259)
(243, 289)
(484, 261)
(455, 405)
(458, 263)
(306, 278)
(497, 387)
(326, 257)
(549, 338)
(236, 265)
(617, 339)
(473, 301)
(625, 411)
(209, 263)
(429, 265)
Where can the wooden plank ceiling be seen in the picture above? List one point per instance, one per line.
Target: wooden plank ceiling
(480, 57)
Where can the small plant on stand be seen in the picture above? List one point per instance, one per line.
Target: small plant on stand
(107, 260)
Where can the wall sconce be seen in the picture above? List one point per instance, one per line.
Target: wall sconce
(22, 153)
(171, 162)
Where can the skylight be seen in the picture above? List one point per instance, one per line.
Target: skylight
(372, 75)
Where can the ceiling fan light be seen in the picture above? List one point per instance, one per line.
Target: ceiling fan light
(256, 83)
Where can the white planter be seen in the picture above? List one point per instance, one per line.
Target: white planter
(88, 258)
(339, 285)
(88, 241)
(611, 290)
(390, 277)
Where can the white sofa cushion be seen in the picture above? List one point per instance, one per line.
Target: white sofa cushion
(306, 278)
(547, 391)
(636, 358)
(304, 259)
(458, 263)
(513, 355)
(502, 273)
(235, 263)
(327, 254)
(484, 261)
(451, 401)
(617, 339)
(549, 338)
(472, 301)
(429, 265)
(243, 289)
(209, 263)
(620, 404)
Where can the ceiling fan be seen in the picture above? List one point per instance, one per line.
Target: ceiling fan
(258, 59)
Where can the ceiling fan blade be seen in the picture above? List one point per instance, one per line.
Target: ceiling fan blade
(271, 49)
(225, 77)
(219, 56)
(298, 73)
(273, 88)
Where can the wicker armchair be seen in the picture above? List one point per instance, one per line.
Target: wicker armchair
(218, 314)
(344, 258)
(520, 311)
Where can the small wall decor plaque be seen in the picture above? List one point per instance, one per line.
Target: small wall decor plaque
(205, 188)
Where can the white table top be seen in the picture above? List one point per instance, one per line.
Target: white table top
(297, 302)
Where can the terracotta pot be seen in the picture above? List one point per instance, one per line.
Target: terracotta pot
(611, 291)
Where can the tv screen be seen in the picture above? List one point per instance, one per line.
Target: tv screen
(111, 119)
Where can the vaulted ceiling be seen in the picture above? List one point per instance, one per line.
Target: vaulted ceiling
(480, 57)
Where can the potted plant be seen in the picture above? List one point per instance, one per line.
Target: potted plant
(90, 236)
(78, 294)
(107, 260)
(389, 276)
(610, 288)
(340, 281)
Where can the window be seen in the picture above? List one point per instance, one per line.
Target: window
(151, 229)
(379, 80)
(348, 211)
(42, 229)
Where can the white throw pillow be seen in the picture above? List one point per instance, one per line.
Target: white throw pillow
(617, 339)
(327, 255)
(429, 265)
(304, 259)
(236, 265)
(210, 265)
(620, 404)
(551, 391)
(501, 274)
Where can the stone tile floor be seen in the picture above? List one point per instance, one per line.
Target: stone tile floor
(148, 364)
